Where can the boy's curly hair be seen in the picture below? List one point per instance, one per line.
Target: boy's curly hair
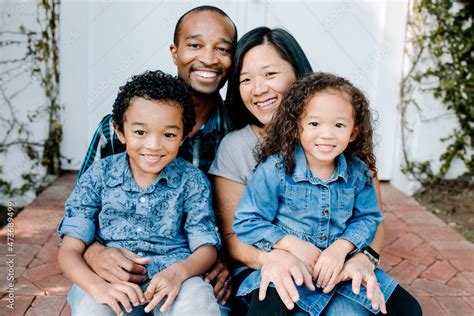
(155, 86)
(283, 133)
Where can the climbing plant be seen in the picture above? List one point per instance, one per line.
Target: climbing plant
(40, 63)
(440, 38)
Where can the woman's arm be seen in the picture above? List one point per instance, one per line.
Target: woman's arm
(227, 194)
(379, 237)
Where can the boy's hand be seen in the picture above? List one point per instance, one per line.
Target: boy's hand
(114, 293)
(303, 250)
(116, 264)
(166, 283)
(330, 262)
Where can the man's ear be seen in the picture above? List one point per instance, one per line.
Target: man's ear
(174, 53)
(120, 134)
(355, 133)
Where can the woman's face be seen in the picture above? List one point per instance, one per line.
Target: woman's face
(264, 78)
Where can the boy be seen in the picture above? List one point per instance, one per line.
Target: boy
(148, 201)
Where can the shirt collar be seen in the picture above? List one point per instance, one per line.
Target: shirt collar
(215, 120)
(302, 172)
(120, 174)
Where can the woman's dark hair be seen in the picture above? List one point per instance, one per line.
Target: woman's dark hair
(282, 134)
(288, 49)
(155, 86)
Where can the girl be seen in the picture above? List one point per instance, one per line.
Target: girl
(312, 193)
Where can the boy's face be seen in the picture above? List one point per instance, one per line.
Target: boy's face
(152, 133)
(204, 51)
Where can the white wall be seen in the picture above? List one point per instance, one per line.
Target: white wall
(111, 41)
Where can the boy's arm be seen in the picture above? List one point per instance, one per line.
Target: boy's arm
(167, 282)
(71, 262)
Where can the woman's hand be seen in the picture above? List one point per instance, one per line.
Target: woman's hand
(360, 270)
(305, 251)
(281, 268)
(220, 275)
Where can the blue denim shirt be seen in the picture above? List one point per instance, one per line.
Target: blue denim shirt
(275, 204)
(167, 221)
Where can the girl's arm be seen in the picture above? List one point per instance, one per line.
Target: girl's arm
(74, 267)
(277, 266)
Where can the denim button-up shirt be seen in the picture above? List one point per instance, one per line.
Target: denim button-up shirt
(167, 221)
(276, 204)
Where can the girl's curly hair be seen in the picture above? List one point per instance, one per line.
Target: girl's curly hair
(283, 133)
(155, 86)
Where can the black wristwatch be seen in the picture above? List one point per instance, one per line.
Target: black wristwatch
(373, 255)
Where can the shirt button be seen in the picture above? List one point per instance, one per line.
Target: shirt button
(266, 247)
(216, 229)
(139, 229)
(325, 212)
(323, 237)
(140, 253)
(142, 199)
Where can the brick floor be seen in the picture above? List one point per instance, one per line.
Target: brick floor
(427, 257)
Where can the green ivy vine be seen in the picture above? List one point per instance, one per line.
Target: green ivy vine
(41, 61)
(441, 38)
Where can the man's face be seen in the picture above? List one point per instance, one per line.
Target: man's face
(204, 51)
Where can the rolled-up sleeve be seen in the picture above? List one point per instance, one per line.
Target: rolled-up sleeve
(200, 223)
(258, 207)
(82, 207)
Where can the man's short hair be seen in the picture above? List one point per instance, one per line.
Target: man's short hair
(177, 29)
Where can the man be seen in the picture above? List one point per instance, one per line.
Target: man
(202, 49)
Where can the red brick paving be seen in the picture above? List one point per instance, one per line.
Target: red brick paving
(431, 260)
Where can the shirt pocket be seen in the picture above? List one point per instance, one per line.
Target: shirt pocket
(346, 201)
(297, 198)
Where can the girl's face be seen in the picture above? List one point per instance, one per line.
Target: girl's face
(264, 78)
(327, 127)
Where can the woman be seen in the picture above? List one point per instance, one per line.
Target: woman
(266, 63)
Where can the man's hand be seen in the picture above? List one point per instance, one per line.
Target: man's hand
(360, 270)
(221, 277)
(116, 265)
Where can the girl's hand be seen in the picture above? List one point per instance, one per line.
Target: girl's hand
(307, 252)
(114, 293)
(330, 262)
(281, 268)
(360, 270)
(166, 283)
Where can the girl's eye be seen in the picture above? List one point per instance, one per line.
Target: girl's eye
(245, 80)
(170, 135)
(314, 124)
(140, 132)
(270, 74)
(340, 125)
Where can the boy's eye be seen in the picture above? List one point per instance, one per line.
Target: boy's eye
(170, 135)
(140, 132)
(340, 125)
(193, 45)
(222, 49)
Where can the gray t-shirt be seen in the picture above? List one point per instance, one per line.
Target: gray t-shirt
(235, 158)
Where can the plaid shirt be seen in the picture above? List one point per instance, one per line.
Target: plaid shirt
(200, 150)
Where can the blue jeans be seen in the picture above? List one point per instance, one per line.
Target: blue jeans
(195, 298)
